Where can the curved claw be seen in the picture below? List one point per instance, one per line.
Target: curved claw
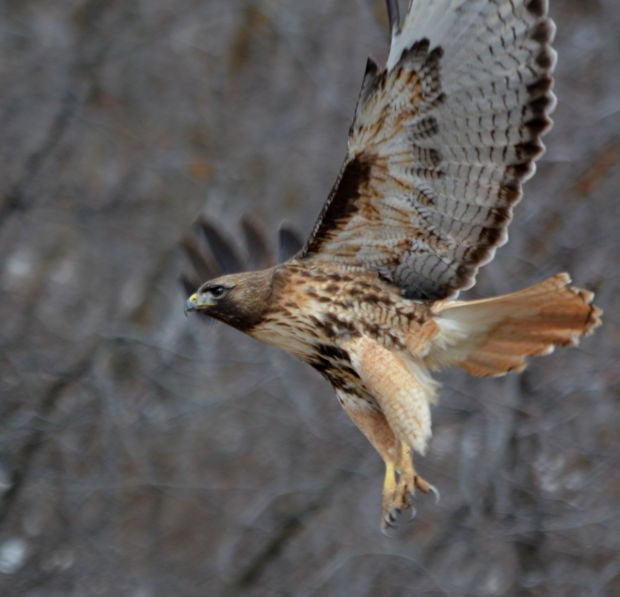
(392, 516)
(390, 520)
(435, 492)
(400, 485)
(425, 487)
(386, 528)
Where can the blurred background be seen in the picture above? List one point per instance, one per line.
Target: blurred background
(143, 453)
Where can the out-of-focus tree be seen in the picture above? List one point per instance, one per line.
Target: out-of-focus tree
(142, 453)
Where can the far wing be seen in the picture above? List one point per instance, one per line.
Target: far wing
(440, 143)
(212, 253)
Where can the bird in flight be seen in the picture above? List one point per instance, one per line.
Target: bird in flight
(441, 141)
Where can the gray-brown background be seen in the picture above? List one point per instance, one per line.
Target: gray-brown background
(147, 454)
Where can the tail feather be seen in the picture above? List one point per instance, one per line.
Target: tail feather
(493, 336)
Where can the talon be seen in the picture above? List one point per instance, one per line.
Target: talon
(388, 528)
(394, 517)
(387, 523)
(399, 488)
(435, 492)
(425, 487)
(422, 484)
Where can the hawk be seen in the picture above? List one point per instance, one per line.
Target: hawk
(441, 141)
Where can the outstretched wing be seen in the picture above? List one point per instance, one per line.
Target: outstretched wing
(440, 143)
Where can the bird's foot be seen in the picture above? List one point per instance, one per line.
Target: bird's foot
(399, 488)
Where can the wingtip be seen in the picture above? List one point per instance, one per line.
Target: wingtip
(393, 16)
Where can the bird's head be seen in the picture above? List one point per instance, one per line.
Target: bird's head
(239, 300)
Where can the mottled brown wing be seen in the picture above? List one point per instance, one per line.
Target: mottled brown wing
(440, 144)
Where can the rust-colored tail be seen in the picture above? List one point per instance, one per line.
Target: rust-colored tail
(493, 336)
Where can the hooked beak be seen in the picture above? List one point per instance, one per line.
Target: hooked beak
(191, 304)
(198, 303)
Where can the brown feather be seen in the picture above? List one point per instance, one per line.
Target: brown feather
(493, 336)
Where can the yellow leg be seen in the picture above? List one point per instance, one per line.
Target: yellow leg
(401, 479)
(395, 420)
(399, 486)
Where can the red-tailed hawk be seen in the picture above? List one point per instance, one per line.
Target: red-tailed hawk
(441, 141)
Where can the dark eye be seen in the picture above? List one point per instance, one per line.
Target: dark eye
(217, 291)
